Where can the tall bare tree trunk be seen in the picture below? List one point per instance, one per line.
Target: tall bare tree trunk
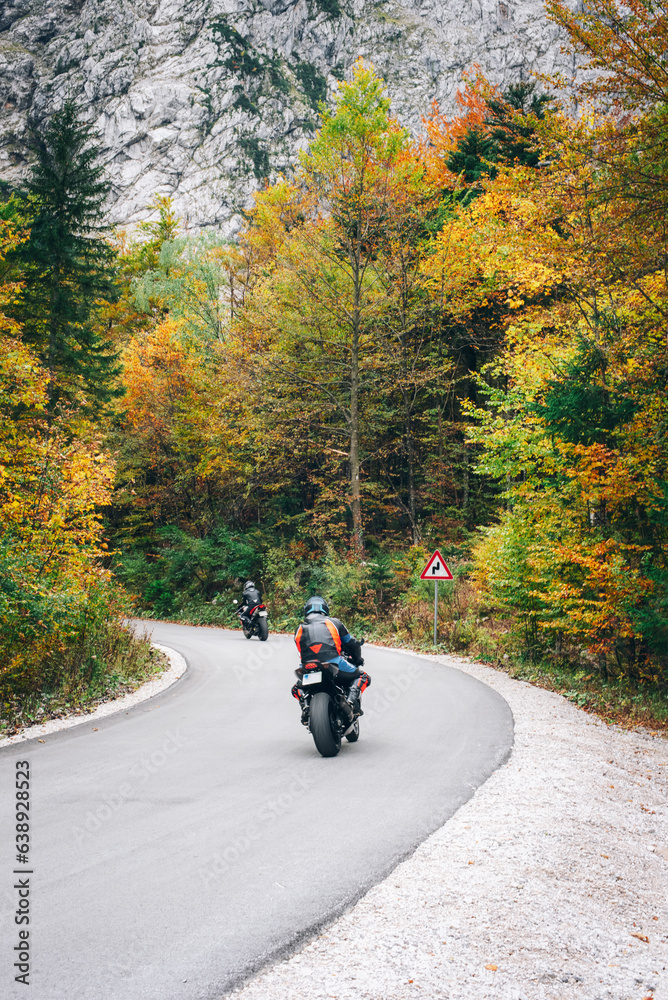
(410, 457)
(408, 432)
(356, 499)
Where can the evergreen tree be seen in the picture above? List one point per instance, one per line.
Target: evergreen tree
(512, 132)
(67, 266)
(472, 158)
(507, 136)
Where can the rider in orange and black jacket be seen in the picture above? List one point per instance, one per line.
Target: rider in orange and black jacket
(322, 639)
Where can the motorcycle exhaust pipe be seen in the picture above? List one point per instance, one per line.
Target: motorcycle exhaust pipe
(347, 708)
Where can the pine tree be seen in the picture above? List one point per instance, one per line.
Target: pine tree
(67, 266)
(471, 159)
(507, 135)
(512, 129)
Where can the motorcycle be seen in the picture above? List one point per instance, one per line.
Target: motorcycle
(329, 716)
(255, 622)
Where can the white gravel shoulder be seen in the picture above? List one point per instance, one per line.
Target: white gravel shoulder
(148, 690)
(550, 883)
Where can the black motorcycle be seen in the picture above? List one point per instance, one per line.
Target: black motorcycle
(255, 622)
(329, 715)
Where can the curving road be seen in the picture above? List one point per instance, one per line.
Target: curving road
(179, 846)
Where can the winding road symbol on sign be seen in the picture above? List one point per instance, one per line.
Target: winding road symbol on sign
(436, 569)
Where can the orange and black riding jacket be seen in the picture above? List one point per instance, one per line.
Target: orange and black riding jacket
(320, 640)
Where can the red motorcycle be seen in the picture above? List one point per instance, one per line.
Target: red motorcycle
(254, 622)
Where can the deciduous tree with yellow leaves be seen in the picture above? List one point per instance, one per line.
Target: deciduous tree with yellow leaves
(577, 423)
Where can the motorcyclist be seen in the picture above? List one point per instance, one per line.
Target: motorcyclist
(322, 639)
(250, 598)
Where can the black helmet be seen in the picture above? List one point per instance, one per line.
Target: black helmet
(316, 606)
(249, 585)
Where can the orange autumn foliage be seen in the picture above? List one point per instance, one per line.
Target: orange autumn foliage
(443, 132)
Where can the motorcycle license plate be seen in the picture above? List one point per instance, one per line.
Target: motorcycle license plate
(313, 678)
(262, 614)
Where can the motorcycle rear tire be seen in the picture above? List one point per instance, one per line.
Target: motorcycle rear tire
(354, 733)
(263, 629)
(324, 725)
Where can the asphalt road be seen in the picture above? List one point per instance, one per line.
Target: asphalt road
(179, 846)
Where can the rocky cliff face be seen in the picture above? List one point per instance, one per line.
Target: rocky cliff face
(203, 99)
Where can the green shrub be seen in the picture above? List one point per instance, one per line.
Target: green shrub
(82, 653)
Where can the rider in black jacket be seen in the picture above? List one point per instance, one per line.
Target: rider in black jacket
(323, 639)
(250, 598)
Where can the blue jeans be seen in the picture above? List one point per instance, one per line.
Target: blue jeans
(345, 667)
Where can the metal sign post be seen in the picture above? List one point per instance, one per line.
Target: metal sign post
(436, 569)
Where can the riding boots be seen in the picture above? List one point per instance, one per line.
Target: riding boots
(354, 696)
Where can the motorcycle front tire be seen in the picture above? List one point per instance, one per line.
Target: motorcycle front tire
(263, 629)
(324, 725)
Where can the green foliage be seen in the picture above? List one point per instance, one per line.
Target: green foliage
(244, 103)
(189, 279)
(358, 121)
(243, 58)
(66, 265)
(650, 618)
(185, 568)
(509, 554)
(253, 66)
(330, 7)
(581, 405)
(257, 154)
(63, 652)
(473, 156)
(512, 123)
(144, 255)
(499, 129)
(313, 83)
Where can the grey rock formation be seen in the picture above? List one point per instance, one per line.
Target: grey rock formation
(204, 99)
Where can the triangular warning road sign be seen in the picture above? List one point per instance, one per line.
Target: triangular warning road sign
(436, 569)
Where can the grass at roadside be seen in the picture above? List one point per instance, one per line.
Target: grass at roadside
(106, 663)
(616, 700)
(467, 627)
